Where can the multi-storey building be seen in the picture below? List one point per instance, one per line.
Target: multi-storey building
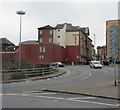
(63, 43)
(101, 52)
(113, 39)
(74, 42)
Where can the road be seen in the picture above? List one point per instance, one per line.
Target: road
(29, 94)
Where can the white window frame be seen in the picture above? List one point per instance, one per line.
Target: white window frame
(40, 32)
(50, 40)
(50, 32)
(41, 40)
(42, 56)
(43, 49)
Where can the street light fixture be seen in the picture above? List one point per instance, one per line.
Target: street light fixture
(20, 13)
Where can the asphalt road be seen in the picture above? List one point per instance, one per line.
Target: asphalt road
(22, 94)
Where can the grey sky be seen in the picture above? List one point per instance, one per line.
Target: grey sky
(84, 14)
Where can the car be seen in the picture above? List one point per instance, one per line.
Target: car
(57, 64)
(95, 64)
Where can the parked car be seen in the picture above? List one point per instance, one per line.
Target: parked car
(57, 64)
(95, 64)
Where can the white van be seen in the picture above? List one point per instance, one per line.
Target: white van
(95, 64)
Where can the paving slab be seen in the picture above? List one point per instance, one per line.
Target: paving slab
(104, 90)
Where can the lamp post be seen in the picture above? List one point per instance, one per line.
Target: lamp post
(94, 48)
(20, 13)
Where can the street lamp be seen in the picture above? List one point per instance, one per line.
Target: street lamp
(94, 48)
(20, 13)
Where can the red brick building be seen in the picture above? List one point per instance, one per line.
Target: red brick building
(63, 43)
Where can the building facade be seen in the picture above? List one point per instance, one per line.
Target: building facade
(74, 42)
(113, 39)
(62, 43)
(101, 53)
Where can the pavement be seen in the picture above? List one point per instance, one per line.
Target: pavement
(102, 90)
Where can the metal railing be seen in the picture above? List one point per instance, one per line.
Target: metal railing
(32, 71)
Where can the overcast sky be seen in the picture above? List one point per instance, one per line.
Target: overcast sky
(84, 14)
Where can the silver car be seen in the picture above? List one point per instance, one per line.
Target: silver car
(95, 64)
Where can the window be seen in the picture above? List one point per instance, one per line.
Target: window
(41, 40)
(58, 36)
(40, 31)
(50, 40)
(40, 48)
(50, 32)
(44, 49)
(41, 57)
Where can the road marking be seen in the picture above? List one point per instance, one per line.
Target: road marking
(30, 91)
(50, 97)
(46, 93)
(12, 94)
(86, 76)
(94, 102)
(67, 99)
(81, 98)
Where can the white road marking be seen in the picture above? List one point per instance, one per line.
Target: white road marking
(46, 93)
(76, 98)
(30, 91)
(67, 99)
(95, 102)
(87, 76)
(1, 94)
(12, 94)
(50, 97)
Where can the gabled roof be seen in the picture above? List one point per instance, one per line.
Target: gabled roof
(59, 26)
(46, 27)
(70, 28)
(6, 41)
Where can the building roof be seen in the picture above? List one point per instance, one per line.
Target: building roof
(70, 28)
(46, 27)
(59, 26)
(30, 42)
(6, 41)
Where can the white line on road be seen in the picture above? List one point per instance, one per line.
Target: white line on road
(77, 98)
(29, 91)
(86, 76)
(95, 103)
(46, 93)
(66, 99)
